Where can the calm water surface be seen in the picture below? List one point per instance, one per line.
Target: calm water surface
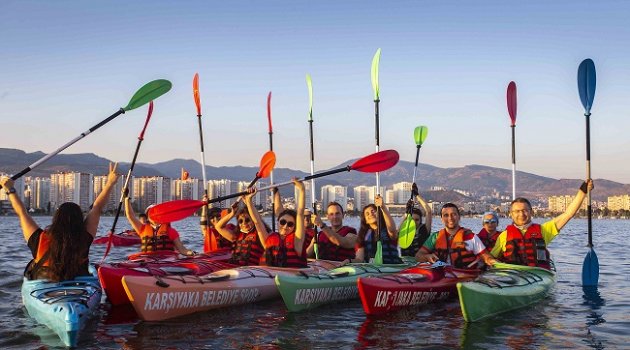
(569, 318)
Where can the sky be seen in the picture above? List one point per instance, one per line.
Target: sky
(67, 65)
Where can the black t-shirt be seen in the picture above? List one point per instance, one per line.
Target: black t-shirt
(33, 244)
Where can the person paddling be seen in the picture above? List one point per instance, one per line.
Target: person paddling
(524, 242)
(375, 216)
(335, 242)
(155, 237)
(489, 233)
(454, 244)
(60, 251)
(246, 246)
(284, 248)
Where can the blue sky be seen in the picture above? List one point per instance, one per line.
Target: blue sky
(66, 65)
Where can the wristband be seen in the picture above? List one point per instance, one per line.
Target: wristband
(323, 226)
(584, 187)
(10, 190)
(203, 223)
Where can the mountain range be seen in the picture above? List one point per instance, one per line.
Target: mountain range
(477, 180)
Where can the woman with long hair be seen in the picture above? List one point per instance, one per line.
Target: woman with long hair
(374, 217)
(60, 251)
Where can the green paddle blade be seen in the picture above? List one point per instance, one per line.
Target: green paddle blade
(149, 92)
(378, 257)
(375, 61)
(407, 232)
(316, 250)
(420, 134)
(309, 84)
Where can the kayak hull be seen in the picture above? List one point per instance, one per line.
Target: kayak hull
(161, 298)
(503, 288)
(110, 275)
(415, 286)
(120, 240)
(307, 291)
(64, 307)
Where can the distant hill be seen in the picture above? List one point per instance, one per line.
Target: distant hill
(478, 180)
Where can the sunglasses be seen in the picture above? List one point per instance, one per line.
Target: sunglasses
(244, 221)
(283, 222)
(490, 222)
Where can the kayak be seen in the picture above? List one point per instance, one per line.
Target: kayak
(158, 298)
(111, 274)
(419, 285)
(310, 290)
(123, 239)
(503, 288)
(64, 306)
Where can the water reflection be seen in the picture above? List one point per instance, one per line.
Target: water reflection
(594, 301)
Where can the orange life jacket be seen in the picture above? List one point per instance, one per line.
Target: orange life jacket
(156, 239)
(460, 256)
(280, 251)
(526, 249)
(213, 240)
(327, 250)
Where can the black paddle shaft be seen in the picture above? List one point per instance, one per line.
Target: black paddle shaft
(589, 209)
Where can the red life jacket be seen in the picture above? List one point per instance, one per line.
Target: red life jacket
(526, 249)
(214, 241)
(156, 239)
(460, 256)
(327, 250)
(281, 252)
(247, 250)
(488, 241)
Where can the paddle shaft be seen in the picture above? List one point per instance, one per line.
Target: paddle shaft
(589, 209)
(57, 151)
(314, 202)
(377, 136)
(513, 162)
(273, 209)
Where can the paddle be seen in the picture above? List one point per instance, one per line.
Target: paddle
(125, 190)
(408, 227)
(378, 256)
(148, 92)
(511, 105)
(180, 209)
(273, 209)
(309, 85)
(586, 87)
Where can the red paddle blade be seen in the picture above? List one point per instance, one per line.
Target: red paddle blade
(511, 101)
(267, 162)
(269, 112)
(174, 210)
(196, 93)
(375, 162)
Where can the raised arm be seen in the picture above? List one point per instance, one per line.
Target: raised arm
(26, 221)
(392, 231)
(427, 212)
(256, 219)
(563, 218)
(131, 216)
(277, 202)
(220, 225)
(94, 215)
(299, 220)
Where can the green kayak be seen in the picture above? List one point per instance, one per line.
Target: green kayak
(503, 288)
(310, 290)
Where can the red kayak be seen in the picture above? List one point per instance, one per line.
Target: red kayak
(111, 274)
(418, 285)
(123, 239)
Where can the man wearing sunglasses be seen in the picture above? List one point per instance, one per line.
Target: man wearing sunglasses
(524, 242)
(489, 232)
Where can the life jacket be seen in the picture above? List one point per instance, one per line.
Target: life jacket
(327, 250)
(418, 240)
(280, 251)
(37, 268)
(526, 249)
(155, 239)
(389, 248)
(213, 240)
(246, 249)
(487, 240)
(460, 256)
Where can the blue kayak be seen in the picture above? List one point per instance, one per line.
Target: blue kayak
(64, 306)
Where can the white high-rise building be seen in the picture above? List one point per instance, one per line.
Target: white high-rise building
(364, 195)
(337, 194)
(71, 187)
(40, 196)
(150, 190)
(223, 187)
(402, 192)
(187, 189)
(114, 196)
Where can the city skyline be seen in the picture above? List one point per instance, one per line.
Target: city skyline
(67, 65)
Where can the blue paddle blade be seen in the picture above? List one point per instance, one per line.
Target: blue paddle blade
(586, 83)
(590, 269)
